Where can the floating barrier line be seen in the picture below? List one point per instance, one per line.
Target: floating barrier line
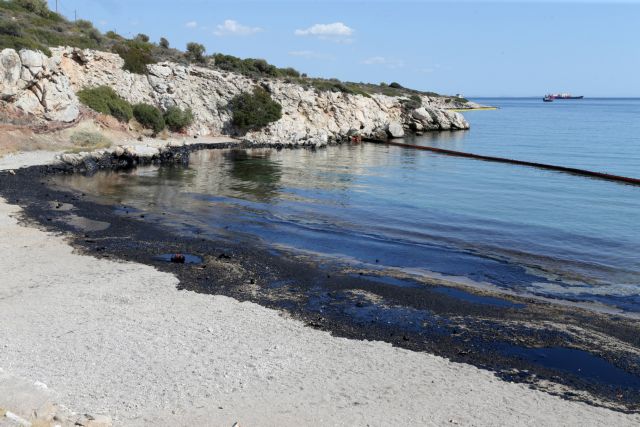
(573, 171)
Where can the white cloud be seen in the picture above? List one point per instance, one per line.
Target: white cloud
(310, 54)
(387, 62)
(191, 24)
(234, 28)
(336, 31)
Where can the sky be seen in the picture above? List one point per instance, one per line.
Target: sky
(475, 48)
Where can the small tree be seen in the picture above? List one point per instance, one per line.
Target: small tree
(143, 38)
(196, 51)
(164, 43)
(254, 110)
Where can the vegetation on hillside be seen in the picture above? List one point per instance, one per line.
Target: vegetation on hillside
(30, 24)
(105, 100)
(149, 117)
(254, 110)
(177, 119)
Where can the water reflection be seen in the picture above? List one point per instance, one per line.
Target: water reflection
(516, 228)
(255, 174)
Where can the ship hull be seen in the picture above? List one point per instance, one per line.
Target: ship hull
(567, 97)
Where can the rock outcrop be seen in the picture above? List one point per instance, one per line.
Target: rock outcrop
(35, 84)
(46, 88)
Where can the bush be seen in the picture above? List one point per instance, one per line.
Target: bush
(136, 55)
(289, 72)
(252, 67)
(90, 140)
(335, 85)
(112, 35)
(10, 29)
(142, 38)
(39, 7)
(396, 85)
(149, 116)
(105, 100)
(164, 43)
(83, 24)
(177, 119)
(413, 103)
(195, 51)
(254, 110)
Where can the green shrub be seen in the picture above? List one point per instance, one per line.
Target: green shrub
(149, 116)
(83, 24)
(112, 35)
(396, 85)
(177, 119)
(39, 7)
(335, 85)
(252, 67)
(289, 72)
(254, 110)
(195, 52)
(136, 55)
(105, 100)
(142, 38)
(164, 43)
(90, 140)
(413, 103)
(10, 28)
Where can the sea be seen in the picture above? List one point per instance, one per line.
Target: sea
(514, 229)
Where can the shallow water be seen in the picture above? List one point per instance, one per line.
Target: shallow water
(515, 228)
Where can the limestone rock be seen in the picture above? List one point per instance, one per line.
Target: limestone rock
(45, 87)
(36, 85)
(10, 72)
(32, 59)
(395, 130)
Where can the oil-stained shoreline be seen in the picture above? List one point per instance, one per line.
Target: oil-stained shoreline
(484, 332)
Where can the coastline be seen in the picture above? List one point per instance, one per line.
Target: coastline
(242, 293)
(202, 353)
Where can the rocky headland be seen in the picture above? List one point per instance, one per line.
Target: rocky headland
(44, 89)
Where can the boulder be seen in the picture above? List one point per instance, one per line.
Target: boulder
(421, 114)
(32, 59)
(395, 130)
(10, 72)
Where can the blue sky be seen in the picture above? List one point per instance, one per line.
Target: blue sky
(477, 48)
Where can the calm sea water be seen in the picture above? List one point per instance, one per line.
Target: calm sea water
(514, 228)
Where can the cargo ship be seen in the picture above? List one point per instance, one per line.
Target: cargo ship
(563, 96)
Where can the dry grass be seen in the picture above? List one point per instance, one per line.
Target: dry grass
(84, 140)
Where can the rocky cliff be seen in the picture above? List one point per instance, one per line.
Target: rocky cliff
(45, 88)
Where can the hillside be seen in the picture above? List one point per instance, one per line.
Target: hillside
(29, 24)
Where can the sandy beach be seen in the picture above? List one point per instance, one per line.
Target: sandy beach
(119, 339)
